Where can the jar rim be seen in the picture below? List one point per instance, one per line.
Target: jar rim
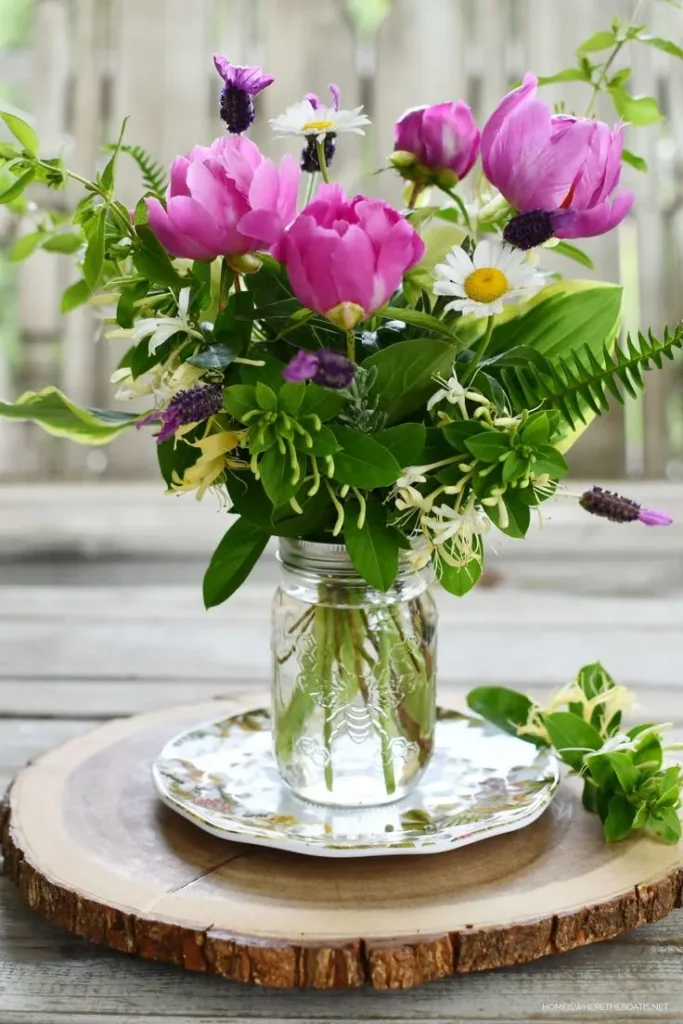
(322, 556)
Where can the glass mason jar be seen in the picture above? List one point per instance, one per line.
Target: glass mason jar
(354, 678)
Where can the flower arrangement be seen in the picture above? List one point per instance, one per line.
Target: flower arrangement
(329, 372)
(400, 382)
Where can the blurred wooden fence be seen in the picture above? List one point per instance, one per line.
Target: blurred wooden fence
(94, 61)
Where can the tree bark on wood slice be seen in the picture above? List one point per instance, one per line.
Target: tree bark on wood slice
(91, 848)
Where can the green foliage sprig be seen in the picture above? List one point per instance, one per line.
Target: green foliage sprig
(580, 384)
(625, 780)
(154, 176)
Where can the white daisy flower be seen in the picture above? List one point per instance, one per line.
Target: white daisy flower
(311, 117)
(496, 273)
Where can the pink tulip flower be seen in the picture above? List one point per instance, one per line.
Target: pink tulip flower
(225, 199)
(443, 140)
(565, 167)
(346, 257)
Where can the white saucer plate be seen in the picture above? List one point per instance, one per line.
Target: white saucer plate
(481, 782)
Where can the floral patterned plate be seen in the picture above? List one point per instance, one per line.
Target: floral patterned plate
(481, 782)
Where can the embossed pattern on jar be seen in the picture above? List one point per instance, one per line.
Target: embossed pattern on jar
(353, 695)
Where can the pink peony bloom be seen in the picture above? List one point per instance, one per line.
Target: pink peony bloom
(443, 138)
(225, 199)
(346, 257)
(566, 166)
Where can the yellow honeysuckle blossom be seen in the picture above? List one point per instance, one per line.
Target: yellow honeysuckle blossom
(210, 464)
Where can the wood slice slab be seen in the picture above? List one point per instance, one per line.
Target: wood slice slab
(92, 849)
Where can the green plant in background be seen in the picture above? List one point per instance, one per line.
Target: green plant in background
(625, 779)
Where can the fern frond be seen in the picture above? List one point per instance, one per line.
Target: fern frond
(581, 384)
(153, 173)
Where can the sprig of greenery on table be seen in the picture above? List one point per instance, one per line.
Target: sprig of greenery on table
(625, 781)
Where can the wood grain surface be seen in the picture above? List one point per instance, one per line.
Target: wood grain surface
(84, 571)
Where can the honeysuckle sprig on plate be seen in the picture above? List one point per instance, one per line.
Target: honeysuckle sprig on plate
(628, 780)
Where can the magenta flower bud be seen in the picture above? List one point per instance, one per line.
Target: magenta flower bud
(619, 509)
(327, 367)
(193, 405)
(225, 199)
(346, 257)
(443, 138)
(241, 85)
(653, 517)
(567, 166)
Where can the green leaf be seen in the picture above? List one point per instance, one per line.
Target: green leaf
(562, 321)
(571, 737)
(514, 467)
(624, 769)
(458, 435)
(153, 262)
(94, 254)
(233, 327)
(662, 44)
(324, 442)
(362, 462)
(75, 295)
(635, 161)
(416, 318)
(489, 445)
(59, 416)
(25, 246)
(266, 398)
(321, 402)
(18, 186)
(374, 546)
(567, 75)
(177, 456)
(279, 479)
(505, 708)
(213, 357)
(405, 441)
(239, 399)
(316, 514)
(573, 252)
(637, 110)
(270, 373)
(459, 580)
(232, 561)
(549, 460)
(669, 786)
(536, 429)
(66, 243)
(666, 824)
(620, 817)
(108, 174)
(602, 40)
(519, 515)
(290, 397)
(405, 374)
(22, 132)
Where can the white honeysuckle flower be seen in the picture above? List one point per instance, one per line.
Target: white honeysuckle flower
(461, 526)
(495, 274)
(305, 118)
(160, 328)
(453, 391)
(163, 381)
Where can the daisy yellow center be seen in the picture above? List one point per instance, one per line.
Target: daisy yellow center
(317, 126)
(486, 284)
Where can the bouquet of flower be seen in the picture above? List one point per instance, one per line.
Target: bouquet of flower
(338, 371)
(331, 372)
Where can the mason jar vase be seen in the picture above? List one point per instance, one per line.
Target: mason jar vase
(354, 668)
